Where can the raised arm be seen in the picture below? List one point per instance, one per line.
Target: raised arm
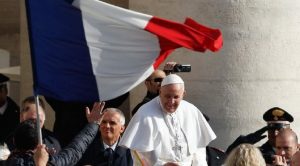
(71, 154)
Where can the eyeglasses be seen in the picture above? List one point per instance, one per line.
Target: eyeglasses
(158, 80)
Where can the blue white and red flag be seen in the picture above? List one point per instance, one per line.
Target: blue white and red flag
(88, 50)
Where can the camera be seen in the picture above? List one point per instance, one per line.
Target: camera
(181, 68)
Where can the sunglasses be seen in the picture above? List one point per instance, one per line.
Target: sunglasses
(158, 80)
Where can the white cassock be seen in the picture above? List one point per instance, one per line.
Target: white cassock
(158, 139)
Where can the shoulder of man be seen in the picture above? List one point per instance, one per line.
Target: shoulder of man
(50, 140)
(149, 108)
(12, 105)
(266, 148)
(122, 150)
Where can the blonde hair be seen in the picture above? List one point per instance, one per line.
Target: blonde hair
(245, 155)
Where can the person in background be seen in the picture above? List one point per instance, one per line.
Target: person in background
(153, 83)
(276, 118)
(26, 141)
(245, 155)
(9, 111)
(168, 130)
(70, 116)
(105, 149)
(28, 111)
(286, 144)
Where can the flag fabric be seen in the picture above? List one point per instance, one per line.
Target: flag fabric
(88, 50)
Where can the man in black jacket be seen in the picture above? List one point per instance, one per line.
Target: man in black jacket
(9, 111)
(104, 151)
(153, 85)
(26, 141)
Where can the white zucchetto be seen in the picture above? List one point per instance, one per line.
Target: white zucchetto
(172, 79)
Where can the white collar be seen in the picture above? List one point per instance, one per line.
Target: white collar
(113, 146)
(3, 108)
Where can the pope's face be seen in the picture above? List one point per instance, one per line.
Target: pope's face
(111, 127)
(29, 112)
(171, 96)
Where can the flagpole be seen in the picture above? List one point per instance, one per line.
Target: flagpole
(38, 125)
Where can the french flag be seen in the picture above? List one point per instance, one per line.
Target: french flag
(88, 50)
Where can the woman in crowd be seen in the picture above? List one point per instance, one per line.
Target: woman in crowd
(245, 155)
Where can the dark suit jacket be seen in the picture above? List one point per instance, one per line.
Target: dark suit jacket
(70, 117)
(267, 151)
(146, 99)
(95, 155)
(9, 120)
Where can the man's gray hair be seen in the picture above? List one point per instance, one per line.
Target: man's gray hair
(122, 116)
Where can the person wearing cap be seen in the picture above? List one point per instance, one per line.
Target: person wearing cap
(168, 130)
(276, 118)
(9, 111)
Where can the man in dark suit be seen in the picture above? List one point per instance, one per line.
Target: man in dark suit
(104, 151)
(152, 84)
(70, 116)
(9, 111)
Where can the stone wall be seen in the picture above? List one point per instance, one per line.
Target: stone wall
(258, 67)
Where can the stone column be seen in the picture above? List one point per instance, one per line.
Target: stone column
(9, 43)
(257, 68)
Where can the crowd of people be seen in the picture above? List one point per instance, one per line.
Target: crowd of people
(164, 130)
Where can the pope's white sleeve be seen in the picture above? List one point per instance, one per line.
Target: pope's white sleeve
(199, 157)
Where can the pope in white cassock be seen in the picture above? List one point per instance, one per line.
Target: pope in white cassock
(168, 130)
